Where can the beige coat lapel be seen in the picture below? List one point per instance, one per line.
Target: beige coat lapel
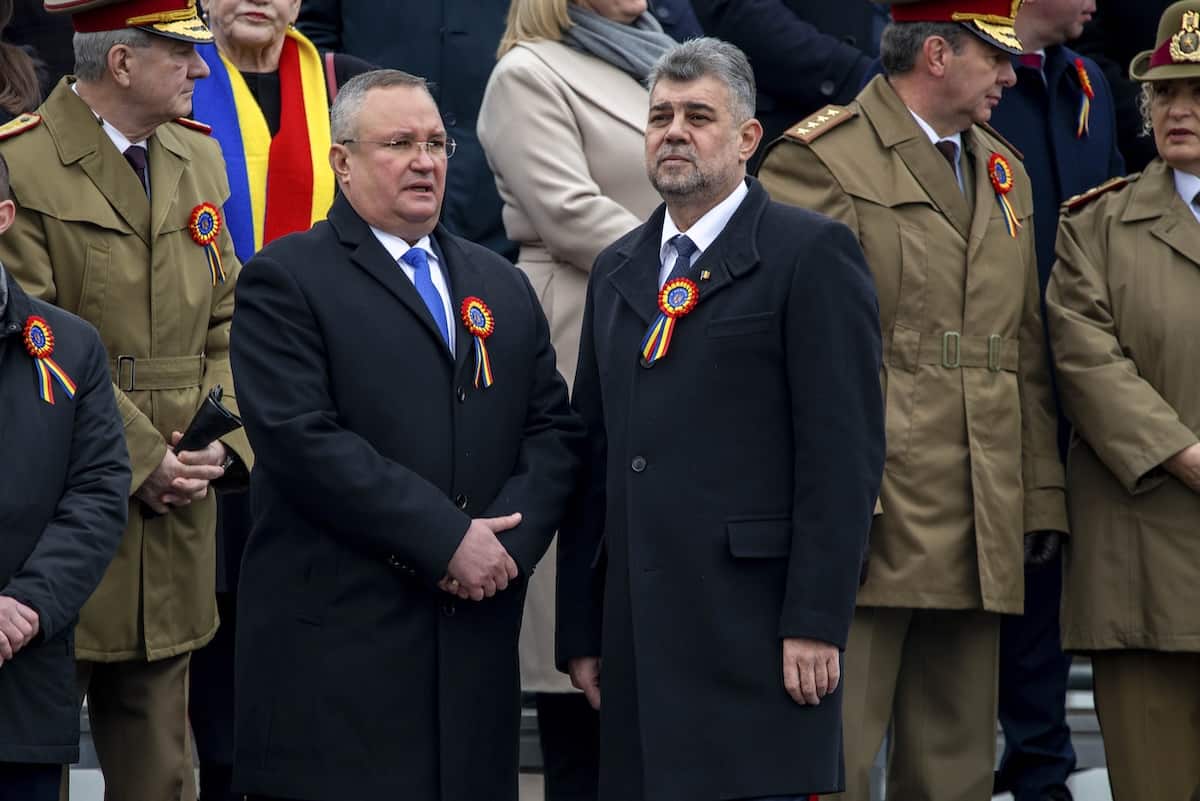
(168, 159)
(592, 78)
(983, 192)
(898, 130)
(1175, 224)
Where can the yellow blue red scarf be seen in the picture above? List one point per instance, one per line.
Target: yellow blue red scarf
(300, 189)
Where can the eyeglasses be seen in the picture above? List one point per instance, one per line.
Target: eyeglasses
(436, 148)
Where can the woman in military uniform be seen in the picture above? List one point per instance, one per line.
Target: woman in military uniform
(1122, 314)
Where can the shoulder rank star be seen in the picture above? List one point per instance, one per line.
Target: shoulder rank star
(39, 342)
(1085, 104)
(480, 322)
(675, 299)
(205, 224)
(1000, 171)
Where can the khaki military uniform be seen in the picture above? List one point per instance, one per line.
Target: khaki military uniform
(971, 463)
(1121, 308)
(88, 239)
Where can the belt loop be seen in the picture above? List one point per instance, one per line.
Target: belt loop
(121, 361)
(994, 343)
(951, 343)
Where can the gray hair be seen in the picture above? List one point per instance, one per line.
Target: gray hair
(903, 42)
(91, 50)
(343, 114)
(700, 58)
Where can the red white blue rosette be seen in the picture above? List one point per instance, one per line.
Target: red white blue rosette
(39, 343)
(480, 322)
(1001, 173)
(1085, 104)
(675, 299)
(205, 225)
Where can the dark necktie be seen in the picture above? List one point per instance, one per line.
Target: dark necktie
(950, 151)
(416, 258)
(684, 249)
(136, 156)
(1032, 60)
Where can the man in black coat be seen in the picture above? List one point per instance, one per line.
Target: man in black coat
(63, 502)
(729, 380)
(417, 453)
(452, 43)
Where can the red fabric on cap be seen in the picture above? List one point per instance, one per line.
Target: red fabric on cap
(944, 10)
(116, 16)
(1162, 56)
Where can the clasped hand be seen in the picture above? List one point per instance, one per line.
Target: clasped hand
(481, 567)
(18, 626)
(182, 477)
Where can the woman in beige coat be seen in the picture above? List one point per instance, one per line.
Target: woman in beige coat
(562, 123)
(1122, 309)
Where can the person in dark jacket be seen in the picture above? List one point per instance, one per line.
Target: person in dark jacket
(63, 503)
(452, 43)
(1060, 115)
(805, 53)
(1119, 30)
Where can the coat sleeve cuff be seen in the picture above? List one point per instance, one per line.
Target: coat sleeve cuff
(1046, 510)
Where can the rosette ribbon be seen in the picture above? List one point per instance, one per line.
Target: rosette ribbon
(480, 322)
(1000, 171)
(675, 299)
(39, 342)
(204, 225)
(1085, 103)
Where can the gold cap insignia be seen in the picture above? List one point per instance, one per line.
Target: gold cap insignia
(1185, 45)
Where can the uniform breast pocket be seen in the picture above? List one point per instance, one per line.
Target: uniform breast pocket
(741, 325)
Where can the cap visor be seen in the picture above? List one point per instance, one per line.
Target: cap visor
(1001, 36)
(188, 30)
(1140, 69)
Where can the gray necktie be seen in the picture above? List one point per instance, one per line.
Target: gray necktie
(684, 250)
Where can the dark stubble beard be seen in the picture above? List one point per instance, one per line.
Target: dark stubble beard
(692, 184)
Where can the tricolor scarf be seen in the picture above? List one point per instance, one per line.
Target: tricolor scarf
(300, 189)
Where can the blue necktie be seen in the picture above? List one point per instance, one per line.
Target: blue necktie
(684, 249)
(415, 258)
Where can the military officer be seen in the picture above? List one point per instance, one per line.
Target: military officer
(943, 210)
(120, 223)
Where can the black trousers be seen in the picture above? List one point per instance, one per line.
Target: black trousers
(569, 731)
(29, 782)
(1038, 756)
(210, 705)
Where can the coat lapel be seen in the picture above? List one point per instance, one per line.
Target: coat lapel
(169, 157)
(605, 86)
(1175, 224)
(465, 280)
(636, 274)
(371, 256)
(898, 130)
(985, 193)
(80, 138)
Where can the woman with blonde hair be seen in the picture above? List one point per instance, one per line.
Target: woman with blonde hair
(562, 123)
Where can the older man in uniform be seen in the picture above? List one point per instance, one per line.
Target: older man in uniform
(943, 210)
(120, 223)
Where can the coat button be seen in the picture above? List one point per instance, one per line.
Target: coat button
(448, 609)
(393, 561)
(639, 464)
(462, 395)
(828, 88)
(460, 501)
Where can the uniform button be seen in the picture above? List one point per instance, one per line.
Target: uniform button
(393, 561)
(827, 88)
(462, 395)
(448, 609)
(460, 501)
(450, 120)
(639, 464)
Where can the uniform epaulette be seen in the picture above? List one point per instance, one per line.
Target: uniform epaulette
(1020, 156)
(19, 125)
(195, 125)
(1079, 201)
(821, 123)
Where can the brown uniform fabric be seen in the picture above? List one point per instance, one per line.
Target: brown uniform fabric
(569, 168)
(1148, 703)
(138, 716)
(924, 666)
(972, 462)
(89, 240)
(1122, 310)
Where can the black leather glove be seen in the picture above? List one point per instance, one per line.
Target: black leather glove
(1041, 547)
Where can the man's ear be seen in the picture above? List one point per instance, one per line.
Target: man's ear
(339, 162)
(8, 214)
(118, 64)
(750, 134)
(937, 52)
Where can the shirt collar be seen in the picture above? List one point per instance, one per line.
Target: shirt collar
(706, 229)
(397, 247)
(3, 292)
(119, 139)
(1187, 185)
(932, 134)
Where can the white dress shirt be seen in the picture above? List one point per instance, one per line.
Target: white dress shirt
(1188, 186)
(934, 138)
(397, 247)
(703, 233)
